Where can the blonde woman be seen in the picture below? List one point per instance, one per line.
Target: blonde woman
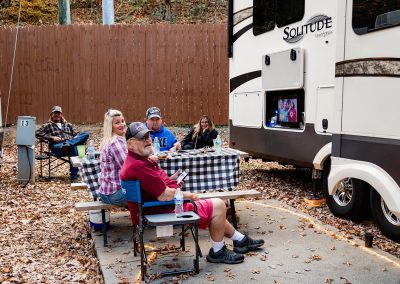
(113, 153)
(201, 135)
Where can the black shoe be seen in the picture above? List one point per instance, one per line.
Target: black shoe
(224, 255)
(247, 244)
(65, 150)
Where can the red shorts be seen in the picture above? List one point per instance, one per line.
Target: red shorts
(204, 210)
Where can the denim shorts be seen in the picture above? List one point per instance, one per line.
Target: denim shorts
(117, 198)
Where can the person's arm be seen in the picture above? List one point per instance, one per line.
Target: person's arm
(187, 138)
(44, 132)
(169, 194)
(213, 135)
(74, 131)
(119, 150)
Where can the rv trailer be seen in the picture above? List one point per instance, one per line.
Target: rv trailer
(316, 84)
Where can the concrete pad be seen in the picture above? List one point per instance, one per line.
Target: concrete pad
(298, 249)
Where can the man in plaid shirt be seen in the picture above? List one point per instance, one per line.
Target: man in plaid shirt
(63, 137)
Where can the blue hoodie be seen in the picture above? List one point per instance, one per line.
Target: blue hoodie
(166, 138)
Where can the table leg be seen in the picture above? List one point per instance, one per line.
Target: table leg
(233, 212)
(104, 226)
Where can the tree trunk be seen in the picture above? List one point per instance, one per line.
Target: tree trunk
(168, 13)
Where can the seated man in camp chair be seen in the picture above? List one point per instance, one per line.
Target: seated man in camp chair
(63, 137)
(156, 185)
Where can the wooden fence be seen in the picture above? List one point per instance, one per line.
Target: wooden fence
(86, 69)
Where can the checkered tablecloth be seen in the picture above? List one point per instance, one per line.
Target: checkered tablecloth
(90, 171)
(209, 171)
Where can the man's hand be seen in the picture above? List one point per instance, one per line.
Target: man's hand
(178, 146)
(56, 139)
(153, 158)
(176, 175)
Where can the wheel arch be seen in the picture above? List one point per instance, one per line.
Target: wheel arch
(322, 156)
(372, 174)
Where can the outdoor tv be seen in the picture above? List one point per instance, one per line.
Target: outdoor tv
(287, 111)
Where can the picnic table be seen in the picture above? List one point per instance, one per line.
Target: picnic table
(207, 171)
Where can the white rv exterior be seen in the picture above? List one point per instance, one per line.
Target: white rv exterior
(341, 79)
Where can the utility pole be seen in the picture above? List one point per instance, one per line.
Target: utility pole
(64, 13)
(108, 12)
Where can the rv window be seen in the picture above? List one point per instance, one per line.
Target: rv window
(263, 16)
(289, 11)
(268, 13)
(373, 15)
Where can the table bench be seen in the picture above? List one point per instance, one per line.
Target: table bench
(224, 195)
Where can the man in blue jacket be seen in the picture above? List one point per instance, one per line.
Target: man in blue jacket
(157, 129)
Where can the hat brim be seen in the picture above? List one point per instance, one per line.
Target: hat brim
(141, 133)
(153, 115)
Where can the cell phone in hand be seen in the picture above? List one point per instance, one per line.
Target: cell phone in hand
(181, 177)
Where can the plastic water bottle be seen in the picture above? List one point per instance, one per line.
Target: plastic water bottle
(274, 120)
(178, 202)
(218, 144)
(90, 151)
(156, 145)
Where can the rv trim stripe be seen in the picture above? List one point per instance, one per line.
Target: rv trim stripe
(237, 81)
(242, 15)
(369, 67)
(242, 31)
(378, 151)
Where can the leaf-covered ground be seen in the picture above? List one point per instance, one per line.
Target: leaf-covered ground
(43, 238)
(45, 12)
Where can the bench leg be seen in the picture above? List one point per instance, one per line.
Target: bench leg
(233, 212)
(104, 226)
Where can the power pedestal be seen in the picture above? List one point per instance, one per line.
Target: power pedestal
(26, 127)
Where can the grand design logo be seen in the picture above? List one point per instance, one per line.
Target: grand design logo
(317, 23)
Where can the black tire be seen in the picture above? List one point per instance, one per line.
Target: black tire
(349, 203)
(384, 219)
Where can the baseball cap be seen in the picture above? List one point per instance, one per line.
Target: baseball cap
(56, 108)
(153, 112)
(136, 130)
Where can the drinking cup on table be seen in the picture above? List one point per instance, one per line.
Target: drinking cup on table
(81, 151)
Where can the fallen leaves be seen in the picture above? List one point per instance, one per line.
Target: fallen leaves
(43, 238)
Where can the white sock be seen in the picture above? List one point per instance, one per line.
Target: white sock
(217, 246)
(237, 236)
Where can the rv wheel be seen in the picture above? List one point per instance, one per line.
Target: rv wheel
(387, 222)
(350, 200)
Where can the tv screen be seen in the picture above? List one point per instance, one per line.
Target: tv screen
(287, 110)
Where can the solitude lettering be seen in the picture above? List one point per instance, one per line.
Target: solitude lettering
(307, 28)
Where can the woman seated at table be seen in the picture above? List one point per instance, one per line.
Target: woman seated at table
(201, 135)
(112, 156)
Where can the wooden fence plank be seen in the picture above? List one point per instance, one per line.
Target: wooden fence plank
(87, 69)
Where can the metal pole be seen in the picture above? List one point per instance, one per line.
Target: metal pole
(64, 12)
(108, 12)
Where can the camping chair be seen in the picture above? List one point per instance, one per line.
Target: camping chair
(188, 221)
(47, 159)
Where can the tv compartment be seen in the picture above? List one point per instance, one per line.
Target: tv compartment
(285, 109)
